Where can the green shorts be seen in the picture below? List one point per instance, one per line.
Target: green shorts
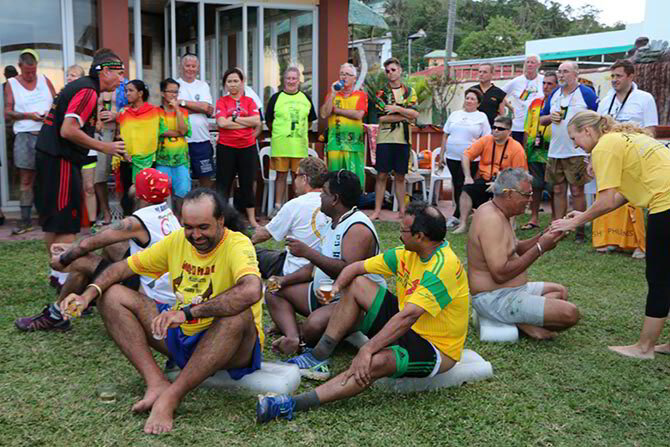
(141, 162)
(351, 161)
(414, 355)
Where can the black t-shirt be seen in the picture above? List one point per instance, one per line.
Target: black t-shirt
(490, 101)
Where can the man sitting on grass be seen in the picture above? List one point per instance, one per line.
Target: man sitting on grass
(151, 222)
(216, 321)
(419, 333)
(497, 264)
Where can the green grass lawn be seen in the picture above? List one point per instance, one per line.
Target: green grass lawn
(571, 391)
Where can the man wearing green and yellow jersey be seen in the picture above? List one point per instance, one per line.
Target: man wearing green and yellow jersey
(288, 116)
(216, 320)
(345, 109)
(536, 142)
(172, 154)
(419, 333)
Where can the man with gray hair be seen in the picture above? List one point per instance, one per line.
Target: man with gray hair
(28, 98)
(521, 91)
(497, 264)
(566, 164)
(345, 108)
(196, 97)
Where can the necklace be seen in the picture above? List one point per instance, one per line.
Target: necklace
(500, 209)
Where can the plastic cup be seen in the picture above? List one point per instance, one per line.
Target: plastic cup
(107, 394)
(326, 289)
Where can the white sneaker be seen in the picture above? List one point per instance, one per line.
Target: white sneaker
(453, 222)
(638, 254)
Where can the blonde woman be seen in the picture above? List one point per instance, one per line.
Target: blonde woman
(630, 166)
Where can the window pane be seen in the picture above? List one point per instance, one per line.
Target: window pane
(287, 41)
(29, 24)
(85, 32)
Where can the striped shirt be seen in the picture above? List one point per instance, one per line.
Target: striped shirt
(438, 285)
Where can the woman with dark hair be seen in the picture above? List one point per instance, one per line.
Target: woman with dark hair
(237, 116)
(139, 124)
(462, 128)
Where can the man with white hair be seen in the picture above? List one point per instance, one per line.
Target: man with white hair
(498, 275)
(345, 109)
(567, 163)
(521, 91)
(196, 97)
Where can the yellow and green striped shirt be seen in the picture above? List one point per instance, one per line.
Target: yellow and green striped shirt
(439, 285)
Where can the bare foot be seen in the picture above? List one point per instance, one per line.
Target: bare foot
(537, 333)
(632, 351)
(460, 229)
(152, 393)
(286, 345)
(662, 349)
(401, 215)
(374, 216)
(161, 417)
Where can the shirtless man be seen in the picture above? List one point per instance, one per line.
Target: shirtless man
(497, 264)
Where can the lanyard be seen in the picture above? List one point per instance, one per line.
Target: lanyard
(609, 111)
(493, 156)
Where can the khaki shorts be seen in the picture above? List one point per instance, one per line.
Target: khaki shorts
(572, 170)
(284, 164)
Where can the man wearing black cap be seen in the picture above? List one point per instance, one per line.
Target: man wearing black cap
(63, 144)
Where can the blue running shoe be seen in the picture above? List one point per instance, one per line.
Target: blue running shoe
(310, 367)
(270, 407)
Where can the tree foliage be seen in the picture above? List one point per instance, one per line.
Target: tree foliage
(531, 19)
(501, 37)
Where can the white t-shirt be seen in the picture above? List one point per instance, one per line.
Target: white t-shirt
(302, 219)
(522, 92)
(639, 108)
(582, 98)
(196, 91)
(463, 128)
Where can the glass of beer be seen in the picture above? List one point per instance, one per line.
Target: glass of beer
(326, 289)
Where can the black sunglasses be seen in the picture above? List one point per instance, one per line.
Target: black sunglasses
(502, 129)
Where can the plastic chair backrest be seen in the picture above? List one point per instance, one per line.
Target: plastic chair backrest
(434, 159)
(312, 153)
(265, 152)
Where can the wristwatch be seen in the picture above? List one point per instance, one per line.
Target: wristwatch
(182, 103)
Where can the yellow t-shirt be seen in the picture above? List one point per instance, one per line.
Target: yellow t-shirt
(637, 166)
(395, 132)
(439, 285)
(193, 274)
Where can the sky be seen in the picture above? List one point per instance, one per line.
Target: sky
(626, 11)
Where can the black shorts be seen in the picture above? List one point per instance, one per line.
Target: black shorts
(414, 356)
(658, 257)
(392, 157)
(537, 170)
(477, 192)
(57, 194)
(132, 283)
(270, 262)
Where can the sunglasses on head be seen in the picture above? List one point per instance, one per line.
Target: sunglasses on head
(500, 128)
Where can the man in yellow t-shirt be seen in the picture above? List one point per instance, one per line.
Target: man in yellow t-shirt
(216, 321)
(419, 333)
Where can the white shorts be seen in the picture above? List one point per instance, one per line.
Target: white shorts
(523, 304)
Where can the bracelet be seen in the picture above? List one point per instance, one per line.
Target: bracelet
(187, 313)
(97, 288)
(539, 247)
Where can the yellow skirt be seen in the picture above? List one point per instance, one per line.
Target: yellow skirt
(623, 227)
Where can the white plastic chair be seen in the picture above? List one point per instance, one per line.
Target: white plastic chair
(268, 181)
(411, 178)
(435, 175)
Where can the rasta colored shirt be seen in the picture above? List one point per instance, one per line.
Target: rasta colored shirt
(172, 151)
(403, 96)
(289, 115)
(139, 129)
(539, 136)
(346, 134)
(200, 275)
(438, 285)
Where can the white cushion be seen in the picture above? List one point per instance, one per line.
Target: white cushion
(280, 378)
(491, 330)
(471, 368)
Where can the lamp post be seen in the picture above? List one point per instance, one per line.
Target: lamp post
(418, 35)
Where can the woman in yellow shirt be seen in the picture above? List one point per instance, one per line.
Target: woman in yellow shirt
(630, 166)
